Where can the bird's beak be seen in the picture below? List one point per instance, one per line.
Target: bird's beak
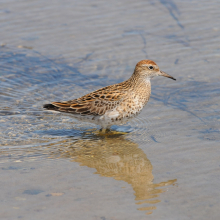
(161, 73)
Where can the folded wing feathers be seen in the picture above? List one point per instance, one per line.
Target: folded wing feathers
(96, 103)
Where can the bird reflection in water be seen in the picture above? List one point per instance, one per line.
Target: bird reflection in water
(114, 156)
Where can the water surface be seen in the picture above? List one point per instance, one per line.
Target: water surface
(162, 165)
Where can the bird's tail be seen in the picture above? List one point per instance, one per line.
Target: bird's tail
(50, 107)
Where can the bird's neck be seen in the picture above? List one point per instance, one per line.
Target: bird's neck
(140, 86)
(138, 82)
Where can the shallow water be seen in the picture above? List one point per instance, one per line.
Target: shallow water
(162, 165)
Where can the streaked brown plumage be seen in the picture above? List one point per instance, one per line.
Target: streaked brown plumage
(114, 104)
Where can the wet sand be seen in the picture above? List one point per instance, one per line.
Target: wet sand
(162, 165)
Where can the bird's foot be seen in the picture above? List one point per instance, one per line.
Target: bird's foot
(104, 130)
(109, 132)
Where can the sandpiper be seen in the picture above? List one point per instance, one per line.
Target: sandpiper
(114, 104)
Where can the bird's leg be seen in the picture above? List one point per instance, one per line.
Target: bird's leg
(104, 130)
(107, 130)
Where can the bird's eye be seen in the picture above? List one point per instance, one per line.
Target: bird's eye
(150, 67)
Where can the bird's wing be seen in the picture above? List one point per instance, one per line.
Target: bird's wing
(95, 103)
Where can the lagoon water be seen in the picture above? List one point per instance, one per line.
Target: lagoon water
(165, 164)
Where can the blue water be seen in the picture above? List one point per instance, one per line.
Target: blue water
(164, 163)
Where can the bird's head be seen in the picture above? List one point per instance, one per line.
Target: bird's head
(149, 69)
